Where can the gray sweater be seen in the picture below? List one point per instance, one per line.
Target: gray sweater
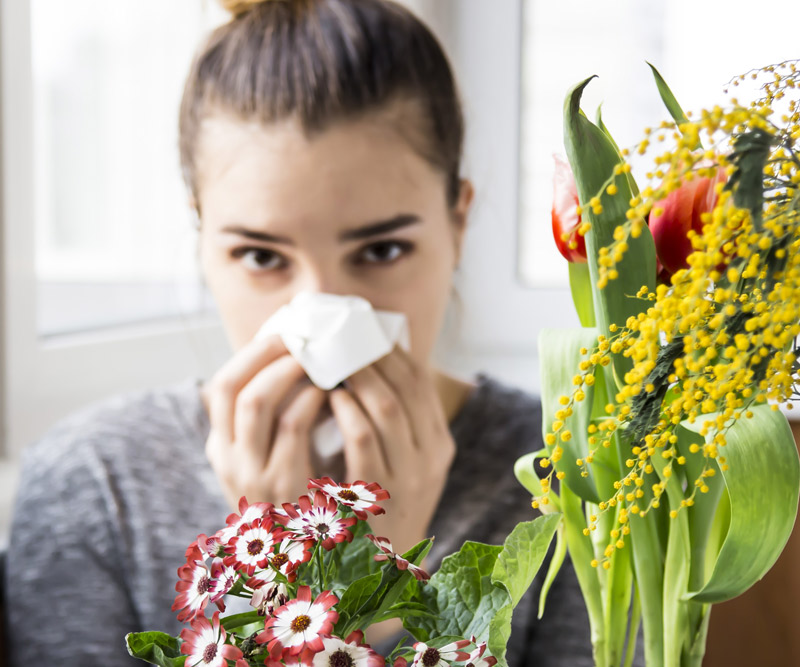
(110, 498)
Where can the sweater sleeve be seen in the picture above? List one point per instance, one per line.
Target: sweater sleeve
(63, 532)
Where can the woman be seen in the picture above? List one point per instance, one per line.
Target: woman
(321, 142)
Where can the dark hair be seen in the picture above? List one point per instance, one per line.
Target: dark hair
(325, 61)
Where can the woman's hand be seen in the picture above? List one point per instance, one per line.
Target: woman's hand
(396, 433)
(260, 443)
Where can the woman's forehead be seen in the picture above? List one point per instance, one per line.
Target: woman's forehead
(357, 169)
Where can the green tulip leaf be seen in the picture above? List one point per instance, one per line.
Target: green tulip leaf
(580, 284)
(763, 484)
(559, 355)
(593, 156)
(670, 102)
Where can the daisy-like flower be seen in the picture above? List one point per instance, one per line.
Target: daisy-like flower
(269, 597)
(251, 548)
(289, 555)
(319, 521)
(196, 587)
(475, 657)
(300, 624)
(358, 496)
(204, 644)
(224, 577)
(428, 656)
(351, 652)
(247, 514)
(387, 553)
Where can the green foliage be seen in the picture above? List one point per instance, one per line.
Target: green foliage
(156, 648)
(763, 483)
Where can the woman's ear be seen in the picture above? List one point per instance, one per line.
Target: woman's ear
(460, 215)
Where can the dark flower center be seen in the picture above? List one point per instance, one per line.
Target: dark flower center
(255, 547)
(349, 495)
(205, 584)
(210, 653)
(280, 559)
(341, 658)
(322, 528)
(301, 623)
(430, 658)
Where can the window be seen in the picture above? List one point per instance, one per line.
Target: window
(114, 235)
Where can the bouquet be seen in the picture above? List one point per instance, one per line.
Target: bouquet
(678, 476)
(315, 578)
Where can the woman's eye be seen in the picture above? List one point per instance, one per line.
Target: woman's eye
(258, 259)
(384, 252)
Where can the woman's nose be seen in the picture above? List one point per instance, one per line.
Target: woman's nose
(324, 281)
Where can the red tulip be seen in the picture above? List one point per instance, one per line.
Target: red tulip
(679, 213)
(565, 214)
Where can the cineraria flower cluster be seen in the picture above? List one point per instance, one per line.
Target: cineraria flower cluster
(280, 559)
(717, 335)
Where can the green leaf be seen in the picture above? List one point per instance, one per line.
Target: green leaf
(351, 561)
(240, 620)
(357, 594)
(582, 553)
(463, 593)
(516, 566)
(580, 284)
(552, 570)
(559, 356)
(599, 121)
(763, 484)
(671, 103)
(526, 475)
(593, 157)
(156, 648)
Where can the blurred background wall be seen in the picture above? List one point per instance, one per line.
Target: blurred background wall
(99, 290)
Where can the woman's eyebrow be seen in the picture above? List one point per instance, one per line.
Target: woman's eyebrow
(256, 236)
(377, 228)
(366, 231)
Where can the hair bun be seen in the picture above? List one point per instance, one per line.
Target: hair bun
(239, 7)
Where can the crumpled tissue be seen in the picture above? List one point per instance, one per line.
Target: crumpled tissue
(332, 337)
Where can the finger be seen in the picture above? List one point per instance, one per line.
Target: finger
(291, 449)
(363, 454)
(235, 374)
(385, 409)
(257, 407)
(416, 390)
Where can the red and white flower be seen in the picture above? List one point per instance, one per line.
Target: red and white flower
(289, 555)
(387, 553)
(358, 496)
(475, 657)
(351, 652)
(300, 624)
(204, 644)
(428, 656)
(196, 586)
(319, 521)
(269, 596)
(251, 548)
(247, 514)
(224, 578)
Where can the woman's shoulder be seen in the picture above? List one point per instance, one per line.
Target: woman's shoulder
(132, 422)
(496, 414)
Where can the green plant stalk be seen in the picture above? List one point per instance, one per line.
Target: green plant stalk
(582, 553)
(633, 630)
(617, 601)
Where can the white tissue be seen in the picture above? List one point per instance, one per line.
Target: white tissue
(332, 337)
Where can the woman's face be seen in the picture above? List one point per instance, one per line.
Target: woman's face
(353, 210)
